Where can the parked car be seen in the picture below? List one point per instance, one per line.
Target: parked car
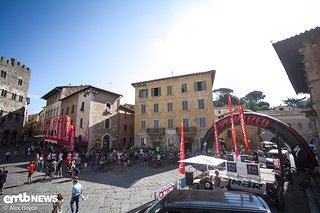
(185, 201)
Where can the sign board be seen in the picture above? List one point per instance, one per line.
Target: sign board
(164, 191)
(247, 185)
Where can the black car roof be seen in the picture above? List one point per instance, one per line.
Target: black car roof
(222, 200)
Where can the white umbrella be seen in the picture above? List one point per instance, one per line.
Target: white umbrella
(268, 143)
(203, 159)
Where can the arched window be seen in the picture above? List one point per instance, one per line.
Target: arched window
(108, 107)
(107, 123)
(299, 125)
(72, 109)
(67, 111)
(81, 122)
(82, 106)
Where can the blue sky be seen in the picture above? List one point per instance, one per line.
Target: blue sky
(111, 44)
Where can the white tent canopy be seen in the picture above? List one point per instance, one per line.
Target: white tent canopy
(203, 159)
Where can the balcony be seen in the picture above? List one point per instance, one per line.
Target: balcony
(187, 130)
(159, 131)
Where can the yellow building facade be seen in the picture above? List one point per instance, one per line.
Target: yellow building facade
(162, 104)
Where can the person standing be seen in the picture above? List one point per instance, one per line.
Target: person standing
(7, 154)
(217, 181)
(3, 176)
(30, 170)
(57, 206)
(75, 195)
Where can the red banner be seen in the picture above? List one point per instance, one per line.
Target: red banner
(67, 129)
(243, 127)
(181, 168)
(54, 128)
(233, 129)
(47, 132)
(72, 137)
(60, 123)
(86, 135)
(216, 138)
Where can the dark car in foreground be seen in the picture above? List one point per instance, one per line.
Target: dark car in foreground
(191, 201)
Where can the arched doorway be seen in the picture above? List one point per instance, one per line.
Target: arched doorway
(303, 155)
(106, 143)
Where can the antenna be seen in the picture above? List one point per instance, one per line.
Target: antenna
(172, 73)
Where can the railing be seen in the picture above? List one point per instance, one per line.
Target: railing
(155, 130)
(187, 129)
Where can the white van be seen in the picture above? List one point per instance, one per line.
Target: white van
(273, 153)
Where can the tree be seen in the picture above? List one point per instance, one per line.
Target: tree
(222, 99)
(298, 102)
(253, 101)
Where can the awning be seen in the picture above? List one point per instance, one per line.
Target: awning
(38, 136)
(203, 159)
(51, 141)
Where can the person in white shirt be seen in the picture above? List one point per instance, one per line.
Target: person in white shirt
(75, 196)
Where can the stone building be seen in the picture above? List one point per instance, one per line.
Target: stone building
(162, 104)
(14, 85)
(300, 56)
(95, 113)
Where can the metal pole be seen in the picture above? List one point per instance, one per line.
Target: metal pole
(281, 188)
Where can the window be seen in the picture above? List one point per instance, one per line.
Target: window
(299, 125)
(143, 141)
(186, 123)
(108, 107)
(143, 93)
(169, 90)
(82, 106)
(72, 109)
(155, 107)
(67, 111)
(81, 122)
(170, 123)
(3, 74)
(20, 98)
(200, 103)
(310, 125)
(62, 112)
(184, 88)
(4, 93)
(143, 108)
(125, 128)
(199, 86)
(184, 105)
(202, 122)
(107, 123)
(1, 112)
(156, 124)
(143, 124)
(20, 81)
(170, 106)
(156, 91)
(14, 95)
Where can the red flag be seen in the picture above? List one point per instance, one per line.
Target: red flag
(181, 168)
(47, 131)
(60, 122)
(67, 129)
(233, 129)
(243, 127)
(55, 121)
(216, 138)
(86, 135)
(72, 137)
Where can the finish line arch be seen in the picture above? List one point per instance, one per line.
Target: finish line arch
(303, 155)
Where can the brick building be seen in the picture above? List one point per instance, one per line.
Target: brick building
(94, 112)
(162, 104)
(14, 85)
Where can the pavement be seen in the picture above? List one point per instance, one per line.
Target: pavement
(112, 191)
